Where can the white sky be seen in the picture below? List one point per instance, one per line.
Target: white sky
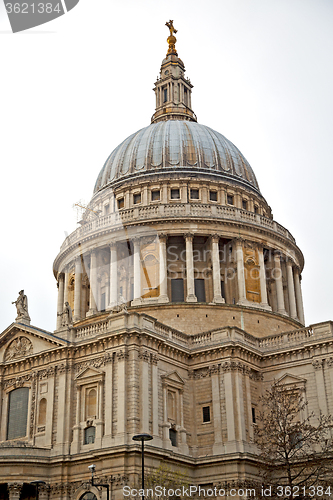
(73, 89)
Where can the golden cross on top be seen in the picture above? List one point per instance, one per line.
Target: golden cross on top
(171, 28)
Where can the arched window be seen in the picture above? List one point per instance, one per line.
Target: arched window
(17, 413)
(171, 406)
(89, 435)
(91, 399)
(42, 412)
(88, 496)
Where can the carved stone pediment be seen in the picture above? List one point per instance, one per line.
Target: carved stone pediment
(290, 381)
(20, 341)
(18, 348)
(173, 379)
(88, 375)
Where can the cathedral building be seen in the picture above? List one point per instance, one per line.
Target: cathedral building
(179, 303)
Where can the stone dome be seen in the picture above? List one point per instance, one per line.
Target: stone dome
(181, 145)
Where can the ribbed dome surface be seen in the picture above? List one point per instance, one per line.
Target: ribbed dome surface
(177, 145)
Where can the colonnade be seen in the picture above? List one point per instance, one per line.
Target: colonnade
(115, 299)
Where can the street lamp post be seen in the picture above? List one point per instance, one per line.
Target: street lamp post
(92, 469)
(36, 485)
(142, 437)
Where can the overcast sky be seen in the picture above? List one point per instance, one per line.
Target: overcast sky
(75, 88)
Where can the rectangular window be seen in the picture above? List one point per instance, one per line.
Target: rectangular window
(106, 209)
(199, 288)
(244, 204)
(223, 289)
(177, 290)
(137, 198)
(175, 194)
(206, 414)
(253, 415)
(194, 193)
(213, 195)
(230, 199)
(121, 203)
(256, 209)
(155, 195)
(165, 95)
(173, 437)
(17, 413)
(89, 435)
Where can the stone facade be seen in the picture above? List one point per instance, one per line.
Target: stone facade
(179, 303)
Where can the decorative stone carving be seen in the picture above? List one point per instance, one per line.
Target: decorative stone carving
(121, 355)
(22, 308)
(14, 490)
(144, 355)
(48, 372)
(17, 381)
(318, 363)
(18, 348)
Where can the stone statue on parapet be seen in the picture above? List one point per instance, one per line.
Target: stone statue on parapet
(121, 305)
(66, 315)
(22, 308)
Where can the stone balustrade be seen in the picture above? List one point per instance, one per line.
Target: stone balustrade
(118, 322)
(173, 210)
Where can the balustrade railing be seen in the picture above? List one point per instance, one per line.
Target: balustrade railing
(173, 210)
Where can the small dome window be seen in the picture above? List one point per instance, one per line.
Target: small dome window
(121, 202)
(137, 198)
(155, 195)
(213, 195)
(194, 193)
(175, 194)
(230, 199)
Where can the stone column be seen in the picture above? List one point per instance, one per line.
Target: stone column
(113, 295)
(262, 277)
(137, 273)
(240, 403)
(154, 379)
(66, 286)
(318, 365)
(60, 305)
(189, 268)
(77, 289)
(278, 283)
(14, 490)
(121, 398)
(240, 273)
(229, 403)
(217, 299)
(166, 424)
(216, 403)
(291, 290)
(299, 299)
(62, 444)
(144, 390)
(93, 283)
(76, 442)
(248, 401)
(108, 400)
(182, 445)
(163, 269)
